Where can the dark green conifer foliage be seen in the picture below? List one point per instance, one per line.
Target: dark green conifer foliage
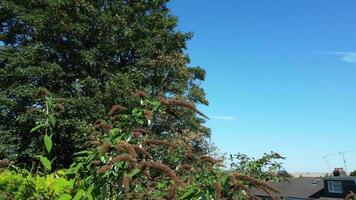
(94, 54)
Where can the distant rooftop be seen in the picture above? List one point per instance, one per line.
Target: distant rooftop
(340, 178)
(302, 187)
(308, 174)
(311, 186)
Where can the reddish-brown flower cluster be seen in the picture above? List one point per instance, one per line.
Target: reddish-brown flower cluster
(184, 168)
(4, 163)
(218, 190)
(126, 183)
(102, 125)
(105, 147)
(96, 162)
(126, 158)
(142, 151)
(124, 146)
(239, 186)
(139, 131)
(162, 168)
(188, 155)
(115, 109)
(261, 185)
(174, 102)
(140, 93)
(148, 114)
(103, 169)
(210, 160)
(172, 192)
(164, 101)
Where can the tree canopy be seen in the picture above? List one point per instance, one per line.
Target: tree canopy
(90, 55)
(98, 101)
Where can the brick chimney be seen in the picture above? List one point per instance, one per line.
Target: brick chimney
(339, 172)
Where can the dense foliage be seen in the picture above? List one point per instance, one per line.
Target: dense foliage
(94, 54)
(266, 168)
(98, 101)
(21, 184)
(127, 159)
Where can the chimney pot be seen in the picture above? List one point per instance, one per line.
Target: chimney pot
(339, 172)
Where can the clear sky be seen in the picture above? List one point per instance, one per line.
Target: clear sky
(281, 76)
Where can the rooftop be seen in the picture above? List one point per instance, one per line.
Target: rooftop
(302, 187)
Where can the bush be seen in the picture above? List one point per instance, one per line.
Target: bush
(20, 184)
(127, 158)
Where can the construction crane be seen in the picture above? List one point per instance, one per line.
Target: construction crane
(342, 153)
(327, 161)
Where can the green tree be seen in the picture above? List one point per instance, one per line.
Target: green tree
(90, 55)
(353, 173)
(266, 168)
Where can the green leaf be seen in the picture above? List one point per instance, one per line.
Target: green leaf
(79, 195)
(48, 143)
(59, 185)
(74, 168)
(134, 173)
(155, 103)
(129, 138)
(161, 186)
(50, 102)
(65, 197)
(188, 193)
(52, 120)
(37, 127)
(114, 131)
(82, 152)
(88, 194)
(46, 163)
(71, 183)
(136, 112)
(225, 183)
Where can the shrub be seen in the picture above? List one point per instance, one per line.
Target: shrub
(127, 159)
(20, 184)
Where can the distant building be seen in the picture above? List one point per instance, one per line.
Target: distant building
(304, 188)
(308, 174)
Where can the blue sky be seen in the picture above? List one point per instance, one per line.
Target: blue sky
(281, 76)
